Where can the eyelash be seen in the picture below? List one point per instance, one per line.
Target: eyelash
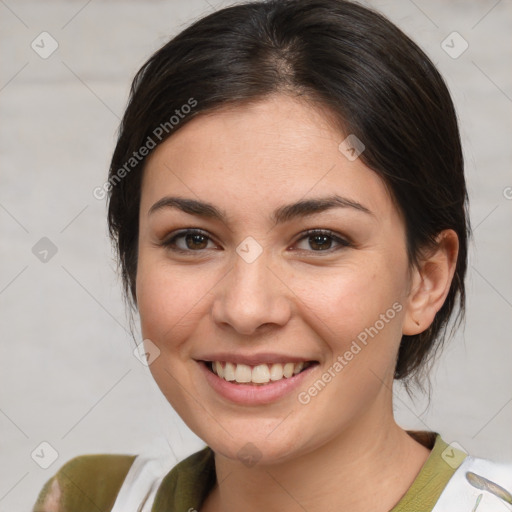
(170, 242)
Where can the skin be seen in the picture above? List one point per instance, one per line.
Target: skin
(343, 450)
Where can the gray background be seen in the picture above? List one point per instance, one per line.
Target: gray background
(67, 369)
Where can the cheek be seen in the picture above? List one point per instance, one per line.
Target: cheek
(171, 303)
(171, 300)
(357, 310)
(351, 298)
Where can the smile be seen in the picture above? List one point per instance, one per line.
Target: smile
(260, 374)
(255, 379)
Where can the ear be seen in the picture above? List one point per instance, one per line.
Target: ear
(430, 283)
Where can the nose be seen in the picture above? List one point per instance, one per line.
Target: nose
(252, 298)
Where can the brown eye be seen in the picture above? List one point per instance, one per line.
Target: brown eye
(322, 240)
(190, 240)
(193, 241)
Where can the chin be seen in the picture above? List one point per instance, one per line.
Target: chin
(257, 446)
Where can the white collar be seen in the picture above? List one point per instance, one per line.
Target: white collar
(460, 495)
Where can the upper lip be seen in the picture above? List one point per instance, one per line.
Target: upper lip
(253, 359)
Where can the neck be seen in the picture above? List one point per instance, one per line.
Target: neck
(369, 466)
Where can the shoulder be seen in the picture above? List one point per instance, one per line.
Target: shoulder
(188, 483)
(155, 481)
(84, 483)
(452, 480)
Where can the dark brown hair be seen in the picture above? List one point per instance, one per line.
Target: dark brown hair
(377, 82)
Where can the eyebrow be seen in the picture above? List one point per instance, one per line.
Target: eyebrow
(281, 215)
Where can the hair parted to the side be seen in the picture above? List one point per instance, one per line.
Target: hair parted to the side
(378, 84)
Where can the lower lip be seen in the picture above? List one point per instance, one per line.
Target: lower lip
(247, 394)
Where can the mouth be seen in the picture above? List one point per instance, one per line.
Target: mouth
(257, 375)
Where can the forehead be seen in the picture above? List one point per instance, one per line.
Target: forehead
(277, 150)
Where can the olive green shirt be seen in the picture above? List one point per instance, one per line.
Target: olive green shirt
(90, 483)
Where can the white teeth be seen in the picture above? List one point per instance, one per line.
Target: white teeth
(288, 370)
(218, 369)
(229, 372)
(243, 373)
(260, 374)
(298, 368)
(276, 372)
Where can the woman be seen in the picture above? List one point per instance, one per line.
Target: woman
(288, 203)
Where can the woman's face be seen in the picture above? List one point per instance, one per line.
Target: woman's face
(255, 294)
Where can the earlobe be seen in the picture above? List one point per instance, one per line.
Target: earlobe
(431, 281)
